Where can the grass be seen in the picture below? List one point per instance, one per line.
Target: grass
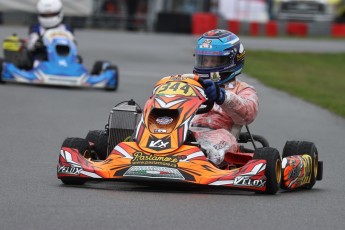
(315, 77)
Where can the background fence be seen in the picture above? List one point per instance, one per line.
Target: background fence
(176, 16)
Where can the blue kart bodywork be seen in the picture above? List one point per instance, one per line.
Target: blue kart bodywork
(62, 66)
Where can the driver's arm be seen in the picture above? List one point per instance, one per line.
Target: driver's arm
(241, 107)
(33, 38)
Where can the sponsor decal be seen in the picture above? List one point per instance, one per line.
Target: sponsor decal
(57, 34)
(69, 170)
(164, 120)
(203, 52)
(63, 63)
(227, 52)
(206, 44)
(158, 144)
(177, 78)
(154, 172)
(241, 56)
(160, 130)
(221, 145)
(297, 170)
(307, 162)
(246, 181)
(140, 158)
(215, 76)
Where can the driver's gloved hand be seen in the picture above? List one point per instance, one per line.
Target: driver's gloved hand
(214, 92)
(39, 44)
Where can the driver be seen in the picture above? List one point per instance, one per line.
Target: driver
(219, 57)
(50, 15)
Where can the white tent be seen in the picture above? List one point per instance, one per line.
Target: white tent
(71, 7)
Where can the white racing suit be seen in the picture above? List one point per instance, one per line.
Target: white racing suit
(217, 131)
(36, 31)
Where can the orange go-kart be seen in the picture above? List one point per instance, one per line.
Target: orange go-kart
(156, 145)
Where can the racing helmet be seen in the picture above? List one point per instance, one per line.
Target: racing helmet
(50, 13)
(219, 55)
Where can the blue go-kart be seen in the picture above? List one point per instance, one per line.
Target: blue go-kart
(58, 63)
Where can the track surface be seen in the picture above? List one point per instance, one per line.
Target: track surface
(35, 120)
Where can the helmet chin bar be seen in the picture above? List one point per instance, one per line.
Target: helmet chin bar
(231, 76)
(216, 76)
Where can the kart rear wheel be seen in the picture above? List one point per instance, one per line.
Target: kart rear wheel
(273, 168)
(113, 88)
(1, 63)
(100, 140)
(290, 148)
(82, 145)
(300, 148)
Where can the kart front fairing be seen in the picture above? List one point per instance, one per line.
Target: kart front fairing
(60, 67)
(167, 115)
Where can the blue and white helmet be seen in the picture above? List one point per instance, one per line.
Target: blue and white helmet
(219, 55)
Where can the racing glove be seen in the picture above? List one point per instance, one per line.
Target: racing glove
(39, 44)
(214, 92)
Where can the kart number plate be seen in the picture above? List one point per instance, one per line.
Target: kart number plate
(176, 88)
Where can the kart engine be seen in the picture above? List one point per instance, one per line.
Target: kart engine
(122, 122)
(16, 52)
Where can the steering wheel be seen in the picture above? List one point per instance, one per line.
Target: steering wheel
(209, 104)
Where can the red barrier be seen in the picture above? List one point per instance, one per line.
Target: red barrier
(203, 22)
(271, 29)
(338, 30)
(297, 29)
(234, 26)
(254, 29)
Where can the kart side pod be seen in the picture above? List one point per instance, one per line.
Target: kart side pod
(122, 122)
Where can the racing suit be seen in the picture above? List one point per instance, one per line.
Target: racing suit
(37, 31)
(217, 131)
(35, 46)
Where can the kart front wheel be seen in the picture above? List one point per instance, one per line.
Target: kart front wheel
(273, 168)
(84, 149)
(73, 181)
(82, 145)
(114, 87)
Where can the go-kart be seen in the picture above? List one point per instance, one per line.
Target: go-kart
(156, 145)
(55, 62)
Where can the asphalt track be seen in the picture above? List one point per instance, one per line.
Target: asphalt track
(35, 120)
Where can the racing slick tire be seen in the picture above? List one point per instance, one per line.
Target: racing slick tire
(100, 140)
(83, 147)
(273, 168)
(113, 88)
(97, 67)
(1, 63)
(304, 147)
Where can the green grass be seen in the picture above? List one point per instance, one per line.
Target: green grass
(318, 78)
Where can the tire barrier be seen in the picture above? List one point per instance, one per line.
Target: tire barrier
(202, 22)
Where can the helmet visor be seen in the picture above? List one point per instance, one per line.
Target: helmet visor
(49, 15)
(208, 61)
